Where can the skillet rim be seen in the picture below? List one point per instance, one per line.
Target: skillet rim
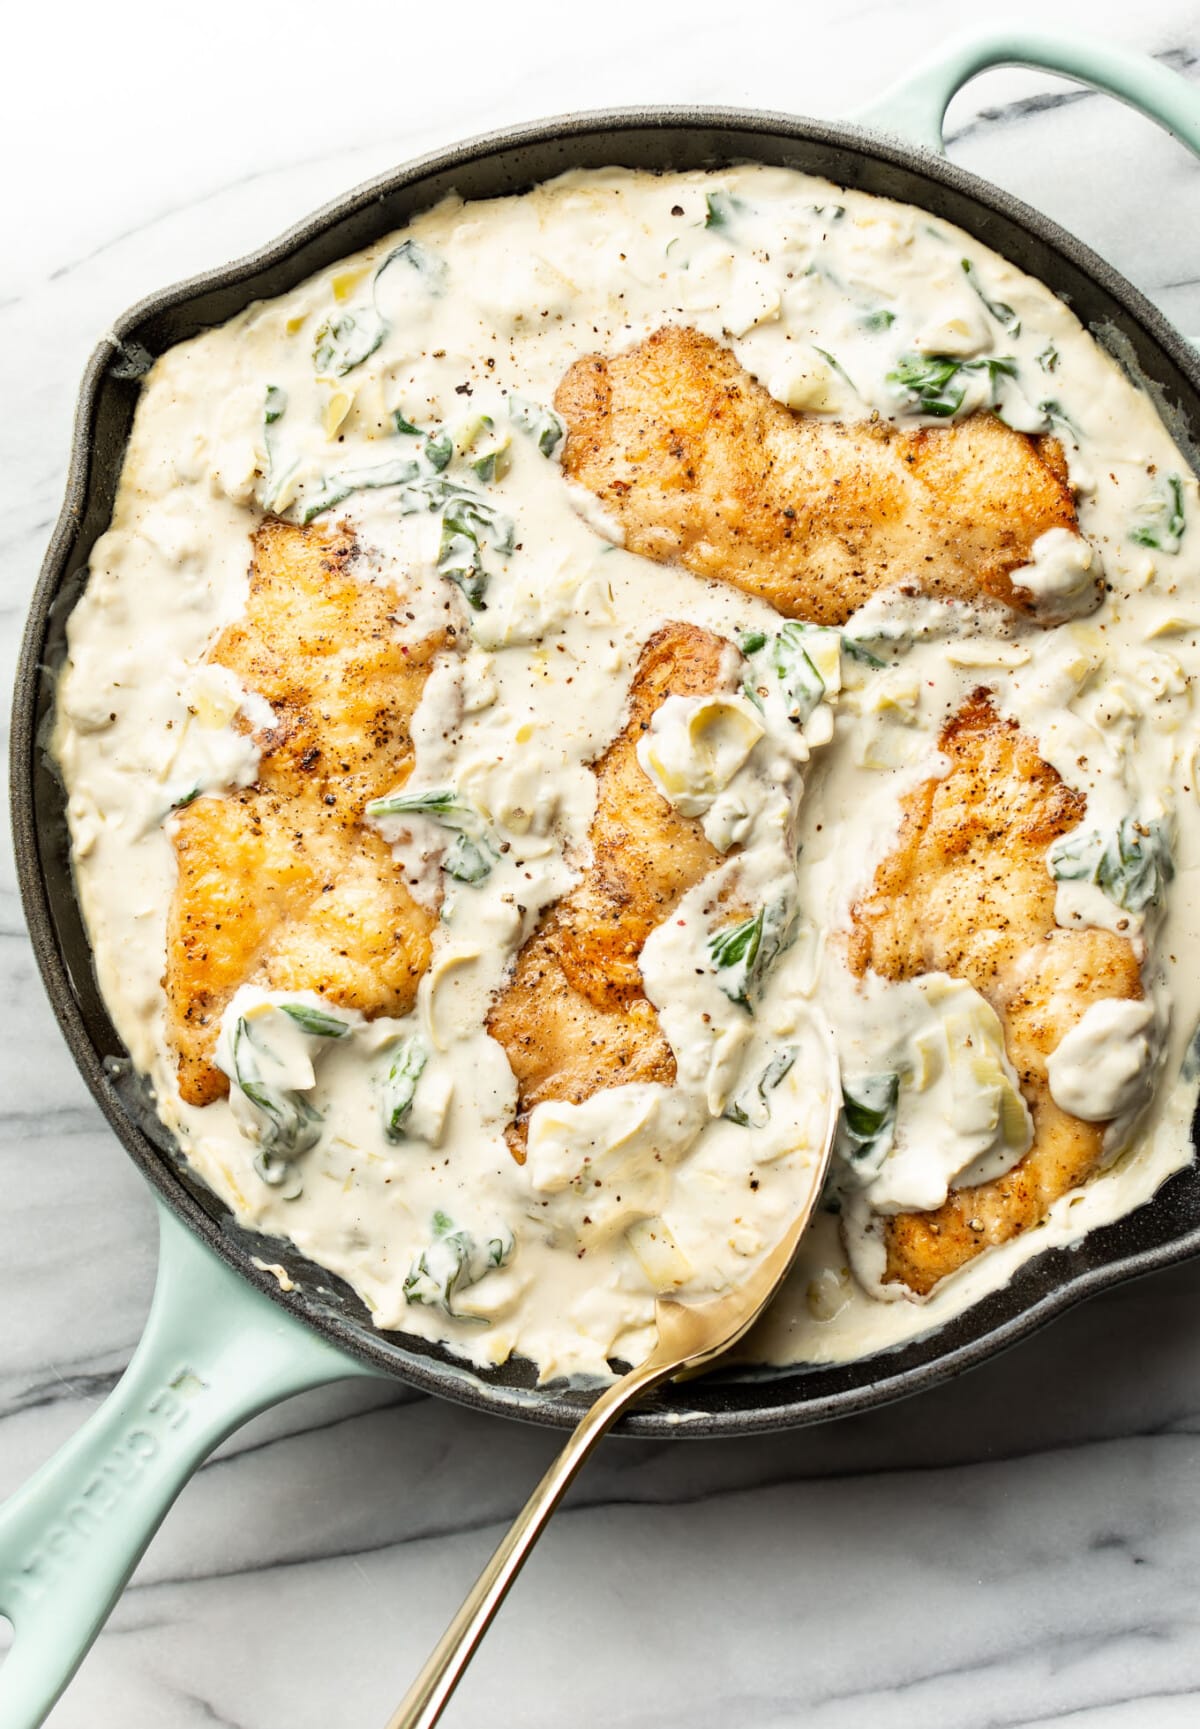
(423, 1367)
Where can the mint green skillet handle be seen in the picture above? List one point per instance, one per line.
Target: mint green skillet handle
(916, 106)
(215, 1352)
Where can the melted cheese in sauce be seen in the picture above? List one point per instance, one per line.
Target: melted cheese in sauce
(300, 406)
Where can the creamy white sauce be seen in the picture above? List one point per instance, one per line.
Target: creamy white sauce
(642, 1188)
(1103, 1066)
(1062, 576)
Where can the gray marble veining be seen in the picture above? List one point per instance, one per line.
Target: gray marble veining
(1021, 1547)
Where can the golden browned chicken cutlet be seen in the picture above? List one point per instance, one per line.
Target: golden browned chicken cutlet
(702, 467)
(282, 884)
(575, 1018)
(966, 891)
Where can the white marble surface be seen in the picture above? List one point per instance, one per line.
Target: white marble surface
(1021, 1547)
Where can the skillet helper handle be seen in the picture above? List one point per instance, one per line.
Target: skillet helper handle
(915, 107)
(215, 1352)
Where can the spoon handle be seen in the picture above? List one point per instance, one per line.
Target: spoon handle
(426, 1699)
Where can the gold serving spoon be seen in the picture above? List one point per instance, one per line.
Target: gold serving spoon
(689, 1335)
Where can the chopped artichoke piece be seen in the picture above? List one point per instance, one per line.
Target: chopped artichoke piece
(661, 1258)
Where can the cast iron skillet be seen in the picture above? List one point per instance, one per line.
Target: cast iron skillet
(224, 1339)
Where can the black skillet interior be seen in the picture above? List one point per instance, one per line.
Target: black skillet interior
(746, 1401)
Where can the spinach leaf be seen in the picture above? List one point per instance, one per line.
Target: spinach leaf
(274, 407)
(460, 562)
(997, 367)
(345, 339)
(339, 487)
(744, 1110)
(791, 655)
(930, 382)
(469, 521)
(722, 209)
(934, 383)
(1000, 310)
(835, 363)
(743, 953)
(444, 804)
(737, 945)
(491, 464)
(400, 1086)
(484, 450)
(332, 494)
(289, 1124)
(867, 1123)
(1136, 865)
(466, 861)
(478, 516)
(803, 686)
(1132, 865)
(499, 1249)
(867, 1113)
(470, 858)
(1162, 521)
(1056, 415)
(432, 270)
(541, 423)
(439, 448)
(316, 1021)
(466, 519)
(454, 1261)
(860, 652)
(292, 1125)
